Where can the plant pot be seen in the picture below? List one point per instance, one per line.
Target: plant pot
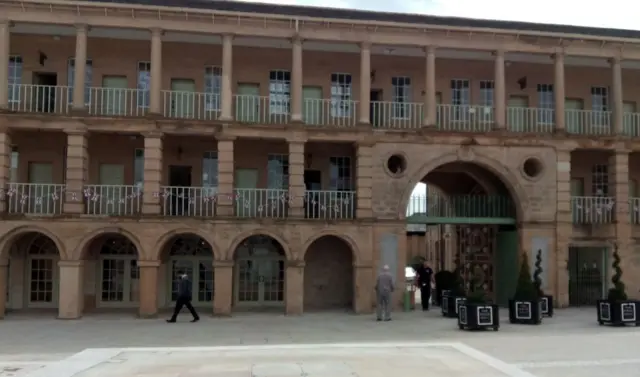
(546, 305)
(525, 312)
(450, 305)
(478, 317)
(618, 313)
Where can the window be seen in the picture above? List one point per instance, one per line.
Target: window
(340, 173)
(138, 167)
(278, 172)
(279, 92)
(546, 103)
(486, 93)
(401, 97)
(340, 95)
(15, 78)
(600, 180)
(212, 87)
(88, 79)
(144, 84)
(460, 97)
(599, 99)
(13, 168)
(210, 172)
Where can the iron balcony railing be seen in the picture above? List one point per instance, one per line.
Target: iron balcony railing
(190, 105)
(461, 206)
(530, 120)
(113, 200)
(261, 203)
(396, 115)
(49, 99)
(35, 198)
(188, 201)
(120, 102)
(329, 205)
(588, 122)
(465, 118)
(592, 209)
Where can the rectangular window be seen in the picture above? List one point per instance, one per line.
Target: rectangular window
(278, 171)
(341, 95)
(401, 97)
(15, 78)
(486, 93)
(138, 167)
(144, 84)
(546, 103)
(460, 98)
(13, 169)
(599, 98)
(212, 88)
(279, 92)
(88, 79)
(210, 173)
(340, 174)
(600, 180)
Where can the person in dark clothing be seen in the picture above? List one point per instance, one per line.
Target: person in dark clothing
(424, 279)
(184, 299)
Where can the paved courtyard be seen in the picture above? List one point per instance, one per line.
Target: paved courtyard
(313, 345)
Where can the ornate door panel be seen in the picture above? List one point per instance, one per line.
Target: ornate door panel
(476, 246)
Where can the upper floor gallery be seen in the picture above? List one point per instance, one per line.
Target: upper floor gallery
(330, 76)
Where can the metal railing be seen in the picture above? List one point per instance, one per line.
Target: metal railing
(634, 210)
(328, 112)
(261, 203)
(631, 124)
(461, 206)
(588, 122)
(118, 102)
(48, 99)
(592, 209)
(35, 198)
(465, 118)
(191, 105)
(188, 201)
(329, 205)
(396, 115)
(113, 200)
(530, 120)
(258, 109)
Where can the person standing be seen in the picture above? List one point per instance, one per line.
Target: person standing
(384, 288)
(184, 299)
(424, 279)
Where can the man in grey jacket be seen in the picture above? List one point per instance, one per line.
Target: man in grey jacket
(184, 299)
(384, 288)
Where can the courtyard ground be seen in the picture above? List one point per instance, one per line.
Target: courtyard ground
(317, 344)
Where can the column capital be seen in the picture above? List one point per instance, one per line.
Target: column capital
(153, 134)
(365, 45)
(223, 263)
(558, 55)
(82, 28)
(157, 32)
(70, 263)
(295, 263)
(228, 36)
(297, 40)
(225, 137)
(77, 132)
(498, 53)
(616, 60)
(149, 263)
(6, 23)
(429, 50)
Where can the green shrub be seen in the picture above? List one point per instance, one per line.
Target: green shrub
(477, 294)
(618, 292)
(525, 290)
(536, 274)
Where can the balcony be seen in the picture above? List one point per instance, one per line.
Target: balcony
(592, 210)
(464, 206)
(330, 205)
(188, 201)
(35, 199)
(27, 98)
(117, 102)
(112, 200)
(586, 122)
(261, 203)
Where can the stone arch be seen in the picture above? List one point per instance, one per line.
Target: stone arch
(258, 232)
(14, 234)
(355, 251)
(169, 236)
(81, 250)
(493, 166)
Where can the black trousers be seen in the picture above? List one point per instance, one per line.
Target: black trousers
(179, 304)
(425, 295)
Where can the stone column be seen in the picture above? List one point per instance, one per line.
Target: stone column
(564, 227)
(80, 67)
(294, 286)
(4, 272)
(296, 81)
(365, 82)
(5, 167)
(296, 179)
(77, 170)
(430, 90)
(155, 88)
(618, 97)
(71, 296)
(363, 285)
(223, 288)
(5, 33)
(226, 172)
(558, 90)
(364, 181)
(500, 92)
(148, 288)
(619, 171)
(227, 77)
(152, 195)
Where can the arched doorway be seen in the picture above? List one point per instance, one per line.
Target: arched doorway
(464, 216)
(328, 275)
(259, 273)
(192, 255)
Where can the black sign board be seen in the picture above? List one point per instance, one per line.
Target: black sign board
(523, 310)
(463, 315)
(605, 311)
(544, 305)
(485, 315)
(628, 312)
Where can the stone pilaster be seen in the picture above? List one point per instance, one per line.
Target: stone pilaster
(148, 288)
(364, 181)
(364, 284)
(4, 272)
(152, 195)
(226, 171)
(77, 170)
(223, 286)
(5, 167)
(71, 297)
(296, 179)
(564, 227)
(294, 286)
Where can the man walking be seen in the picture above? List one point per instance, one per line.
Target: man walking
(424, 279)
(184, 299)
(384, 288)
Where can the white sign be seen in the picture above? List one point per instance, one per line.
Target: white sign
(523, 310)
(605, 311)
(484, 316)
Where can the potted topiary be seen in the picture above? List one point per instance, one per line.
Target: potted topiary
(546, 301)
(477, 313)
(617, 309)
(524, 307)
(453, 297)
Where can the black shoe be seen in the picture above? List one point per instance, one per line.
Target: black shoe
(171, 321)
(195, 319)
(387, 320)
(379, 319)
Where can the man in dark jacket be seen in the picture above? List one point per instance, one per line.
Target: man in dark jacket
(424, 279)
(184, 299)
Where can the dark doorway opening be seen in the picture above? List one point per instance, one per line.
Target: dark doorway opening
(313, 182)
(46, 93)
(180, 183)
(375, 108)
